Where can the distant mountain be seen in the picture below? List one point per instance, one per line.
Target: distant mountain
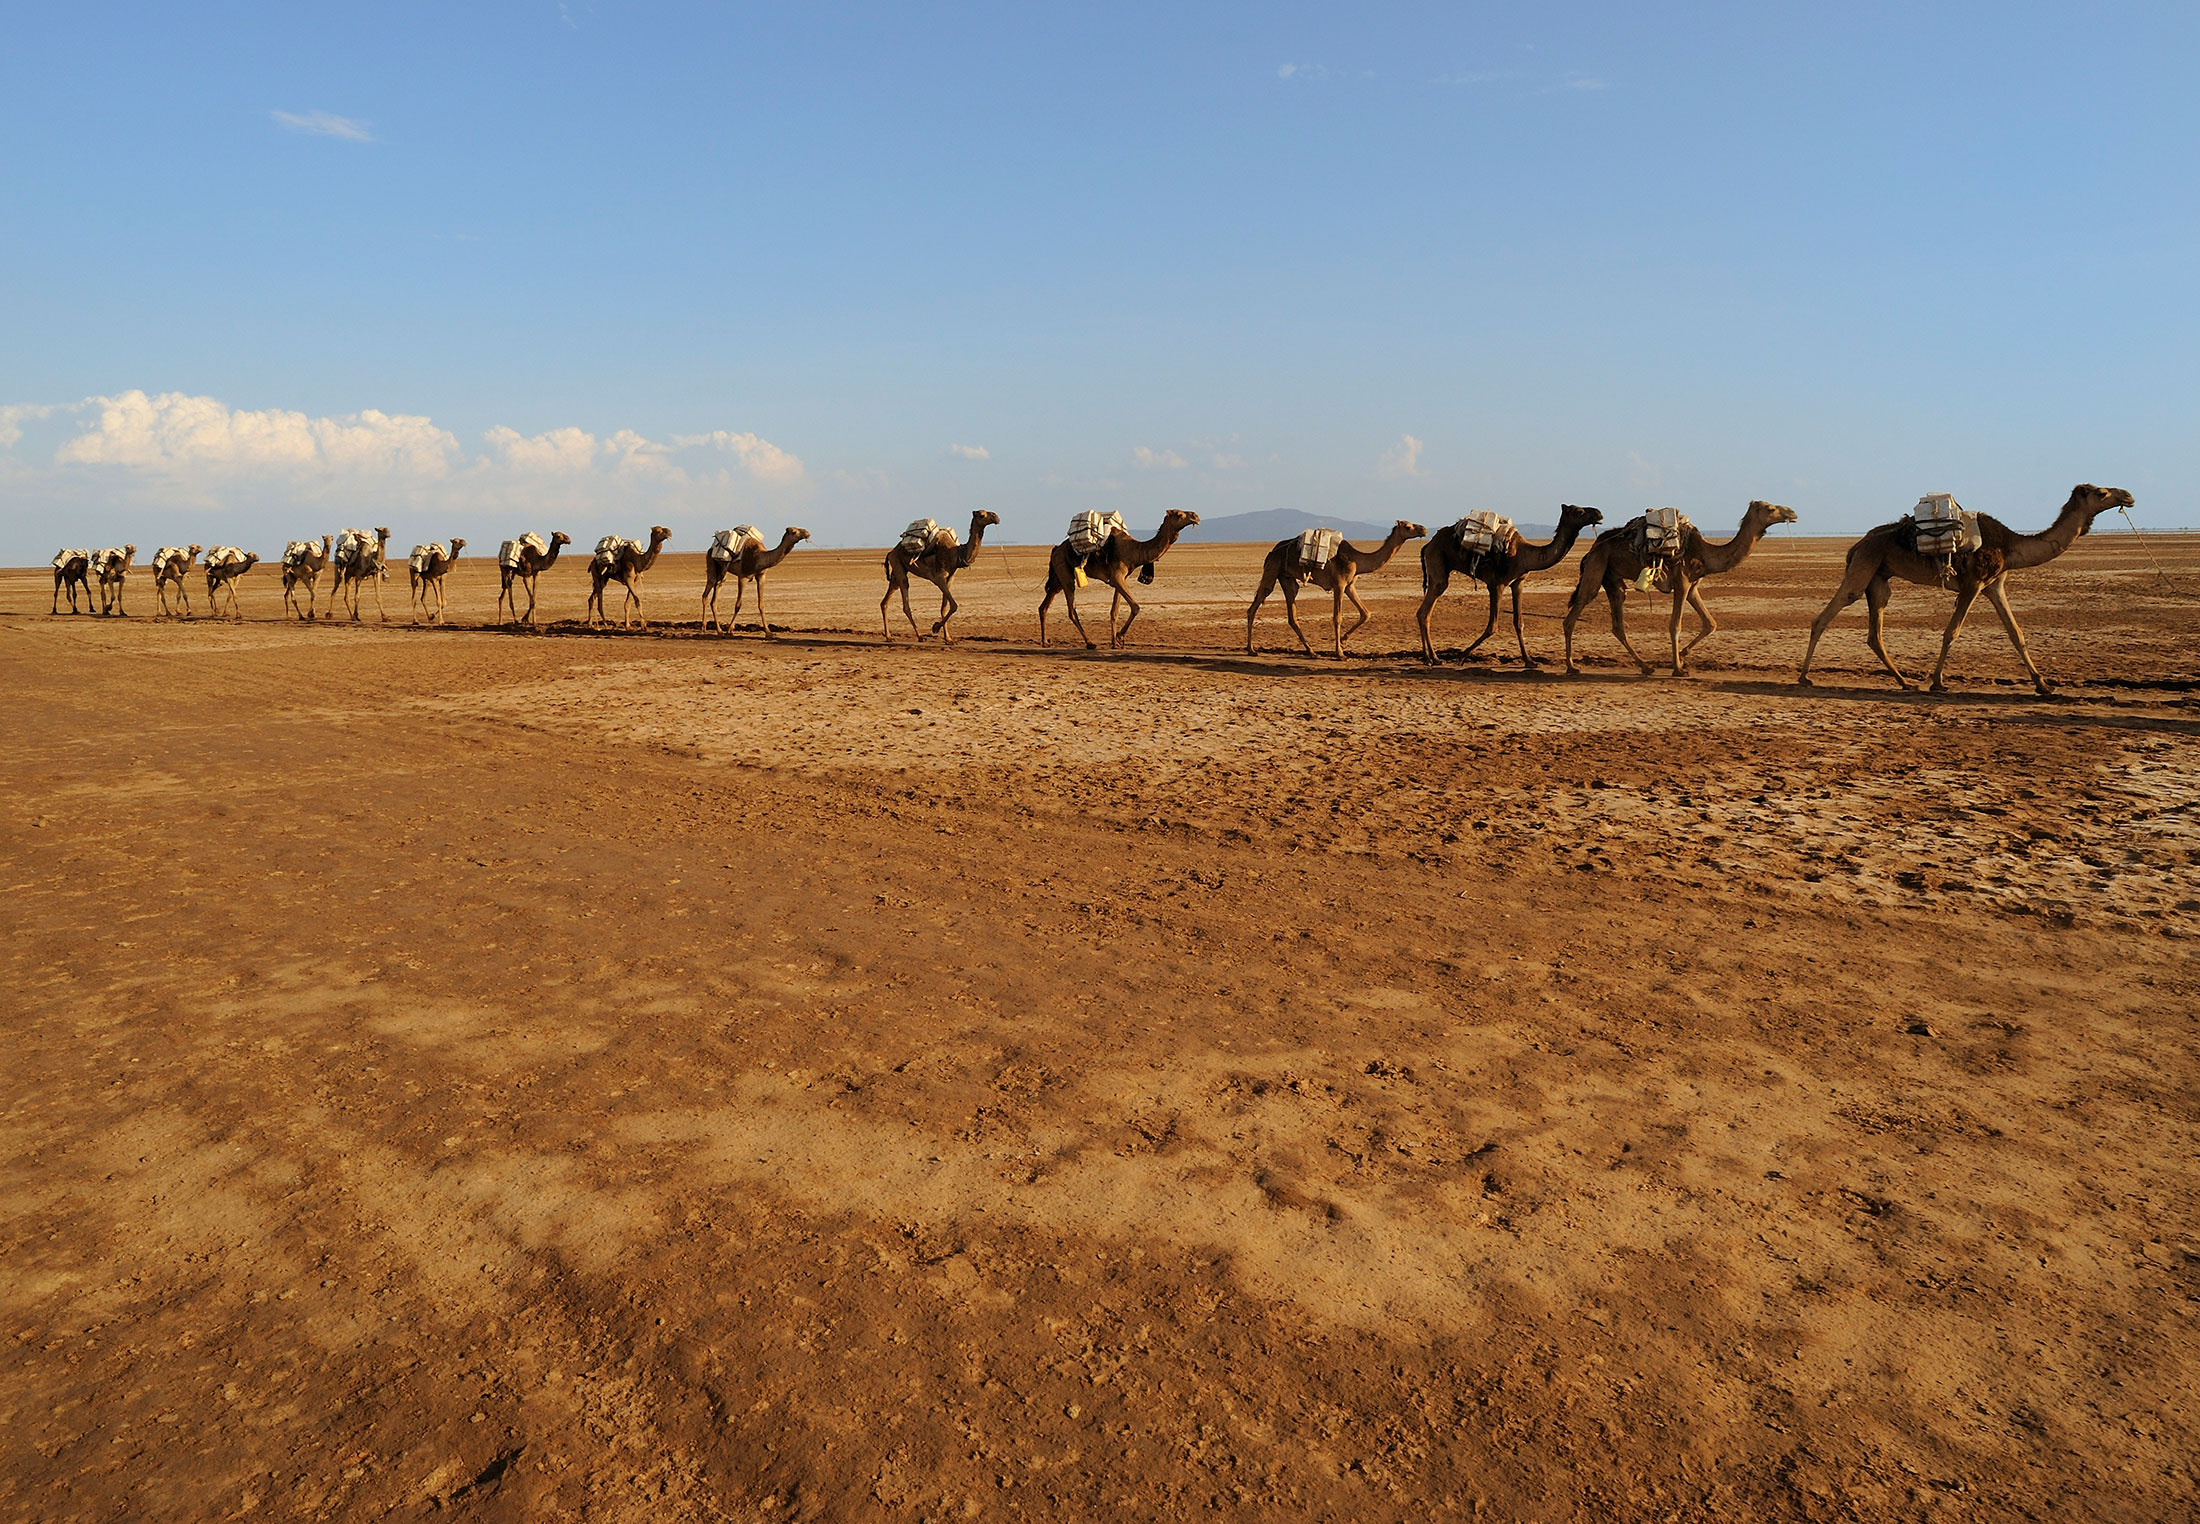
(1272, 524)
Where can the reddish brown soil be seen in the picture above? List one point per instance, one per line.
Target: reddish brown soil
(650, 1076)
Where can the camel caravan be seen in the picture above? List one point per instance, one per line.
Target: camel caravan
(1659, 553)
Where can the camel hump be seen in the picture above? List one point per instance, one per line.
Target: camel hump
(223, 555)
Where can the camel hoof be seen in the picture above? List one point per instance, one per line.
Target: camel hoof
(1802, 680)
(1937, 687)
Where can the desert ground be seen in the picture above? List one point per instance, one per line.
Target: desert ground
(618, 1076)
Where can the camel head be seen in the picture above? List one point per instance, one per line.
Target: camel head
(382, 536)
(1765, 514)
(1571, 516)
(194, 555)
(985, 516)
(2094, 501)
(1179, 519)
(658, 534)
(794, 536)
(560, 537)
(457, 545)
(128, 551)
(251, 558)
(1406, 529)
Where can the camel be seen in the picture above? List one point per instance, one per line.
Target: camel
(112, 569)
(72, 569)
(522, 561)
(746, 565)
(937, 564)
(1344, 568)
(1444, 556)
(1066, 570)
(360, 559)
(170, 563)
(430, 564)
(302, 564)
(224, 565)
(1887, 552)
(1617, 558)
(623, 562)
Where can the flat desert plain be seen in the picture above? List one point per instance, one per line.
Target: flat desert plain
(648, 1076)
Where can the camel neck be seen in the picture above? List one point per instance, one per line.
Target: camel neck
(2038, 549)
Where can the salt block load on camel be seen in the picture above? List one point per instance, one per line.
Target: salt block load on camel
(739, 553)
(1939, 544)
(929, 549)
(1322, 558)
(1100, 546)
(1485, 547)
(1662, 551)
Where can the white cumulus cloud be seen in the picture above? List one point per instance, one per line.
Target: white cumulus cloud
(1402, 461)
(760, 457)
(174, 432)
(559, 450)
(970, 452)
(1156, 460)
(324, 124)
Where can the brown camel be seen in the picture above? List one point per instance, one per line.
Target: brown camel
(937, 564)
(1066, 570)
(224, 565)
(1444, 556)
(170, 564)
(112, 570)
(1890, 551)
(358, 559)
(622, 561)
(302, 565)
(522, 561)
(748, 565)
(1349, 563)
(430, 564)
(1617, 559)
(72, 569)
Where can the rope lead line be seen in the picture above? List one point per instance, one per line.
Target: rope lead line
(2148, 546)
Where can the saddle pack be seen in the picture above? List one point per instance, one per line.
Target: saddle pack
(508, 554)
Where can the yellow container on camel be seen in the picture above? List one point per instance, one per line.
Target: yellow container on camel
(1090, 530)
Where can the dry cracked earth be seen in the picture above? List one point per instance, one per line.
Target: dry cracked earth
(642, 1075)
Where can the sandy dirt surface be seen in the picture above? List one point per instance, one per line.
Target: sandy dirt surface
(637, 1076)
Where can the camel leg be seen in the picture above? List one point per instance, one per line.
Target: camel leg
(1069, 606)
(380, 612)
(1351, 591)
(1525, 659)
(1695, 601)
(1965, 597)
(2000, 600)
(1681, 589)
(914, 630)
(1576, 605)
(761, 617)
(1291, 614)
(1618, 599)
(1852, 588)
(885, 631)
(949, 608)
(1117, 637)
(1488, 625)
(1432, 588)
(1260, 596)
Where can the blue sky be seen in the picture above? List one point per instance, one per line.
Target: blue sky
(269, 270)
